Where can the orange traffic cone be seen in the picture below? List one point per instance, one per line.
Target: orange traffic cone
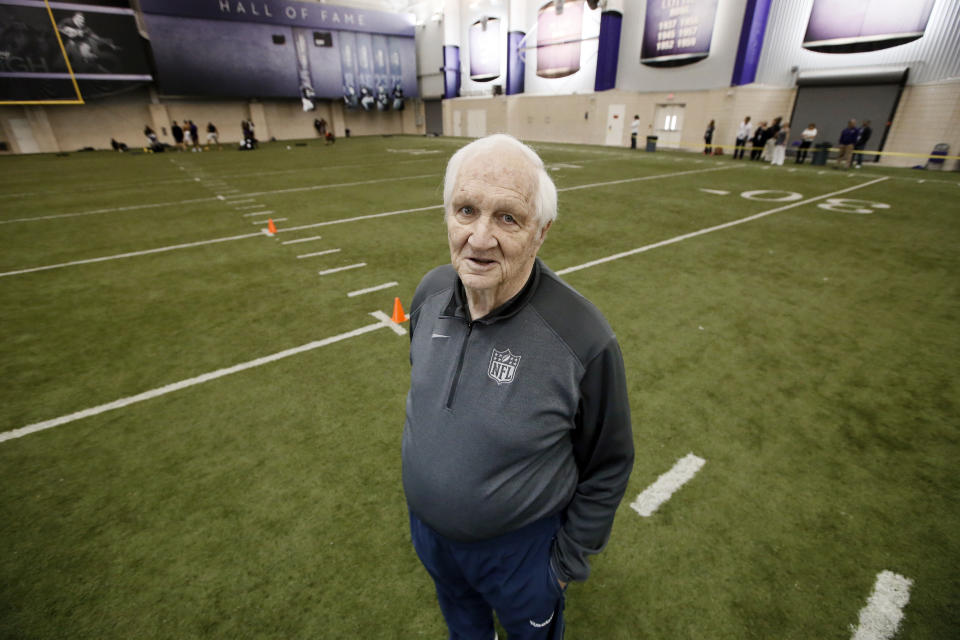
(398, 314)
(272, 228)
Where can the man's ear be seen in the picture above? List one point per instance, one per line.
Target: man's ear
(543, 231)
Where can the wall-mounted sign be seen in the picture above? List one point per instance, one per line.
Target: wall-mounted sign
(559, 33)
(485, 49)
(677, 32)
(852, 26)
(102, 45)
(283, 49)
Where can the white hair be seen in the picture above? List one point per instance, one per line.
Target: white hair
(545, 193)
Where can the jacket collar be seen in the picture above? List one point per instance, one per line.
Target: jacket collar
(457, 306)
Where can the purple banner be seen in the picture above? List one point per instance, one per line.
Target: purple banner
(289, 13)
(451, 71)
(515, 66)
(608, 51)
(751, 42)
(677, 32)
(852, 26)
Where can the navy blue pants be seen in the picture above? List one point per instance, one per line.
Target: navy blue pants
(509, 574)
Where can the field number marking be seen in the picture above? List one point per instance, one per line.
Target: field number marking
(755, 195)
(694, 234)
(667, 484)
(850, 205)
(880, 618)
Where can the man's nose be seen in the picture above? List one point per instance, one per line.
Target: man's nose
(481, 235)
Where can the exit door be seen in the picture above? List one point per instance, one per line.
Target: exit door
(615, 125)
(668, 122)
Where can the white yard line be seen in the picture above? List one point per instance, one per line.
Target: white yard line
(326, 272)
(248, 206)
(131, 254)
(387, 320)
(694, 234)
(642, 178)
(227, 199)
(111, 210)
(246, 200)
(183, 384)
(356, 218)
(318, 253)
(258, 213)
(881, 617)
(311, 238)
(341, 184)
(268, 220)
(360, 292)
(667, 484)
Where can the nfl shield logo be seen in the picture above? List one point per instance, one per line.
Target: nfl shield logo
(503, 366)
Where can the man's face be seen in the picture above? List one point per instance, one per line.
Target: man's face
(493, 233)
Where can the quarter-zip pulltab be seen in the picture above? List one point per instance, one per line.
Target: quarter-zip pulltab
(456, 376)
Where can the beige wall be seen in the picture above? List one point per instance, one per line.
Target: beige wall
(582, 119)
(927, 114)
(68, 128)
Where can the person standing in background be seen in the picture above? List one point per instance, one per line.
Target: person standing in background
(807, 136)
(769, 139)
(708, 138)
(213, 137)
(743, 135)
(863, 136)
(759, 137)
(634, 131)
(780, 144)
(177, 133)
(848, 138)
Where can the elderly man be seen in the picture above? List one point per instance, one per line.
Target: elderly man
(517, 445)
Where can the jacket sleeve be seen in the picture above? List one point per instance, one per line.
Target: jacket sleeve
(603, 449)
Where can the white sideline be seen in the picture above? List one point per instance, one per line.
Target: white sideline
(189, 382)
(701, 232)
(880, 618)
(667, 484)
(360, 292)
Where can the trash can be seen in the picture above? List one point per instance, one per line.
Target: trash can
(651, 143)
(821, 154)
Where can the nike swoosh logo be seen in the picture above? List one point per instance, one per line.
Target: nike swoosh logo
(437, 335)
(540, 625)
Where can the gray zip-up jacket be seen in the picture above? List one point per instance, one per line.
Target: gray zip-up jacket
(516, 416)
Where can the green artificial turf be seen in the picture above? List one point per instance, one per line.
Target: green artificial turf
(810, 356)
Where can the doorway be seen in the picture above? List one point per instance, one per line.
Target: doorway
(668, 123)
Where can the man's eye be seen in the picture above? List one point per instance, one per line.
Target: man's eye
(467, 211)
(509, 219)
